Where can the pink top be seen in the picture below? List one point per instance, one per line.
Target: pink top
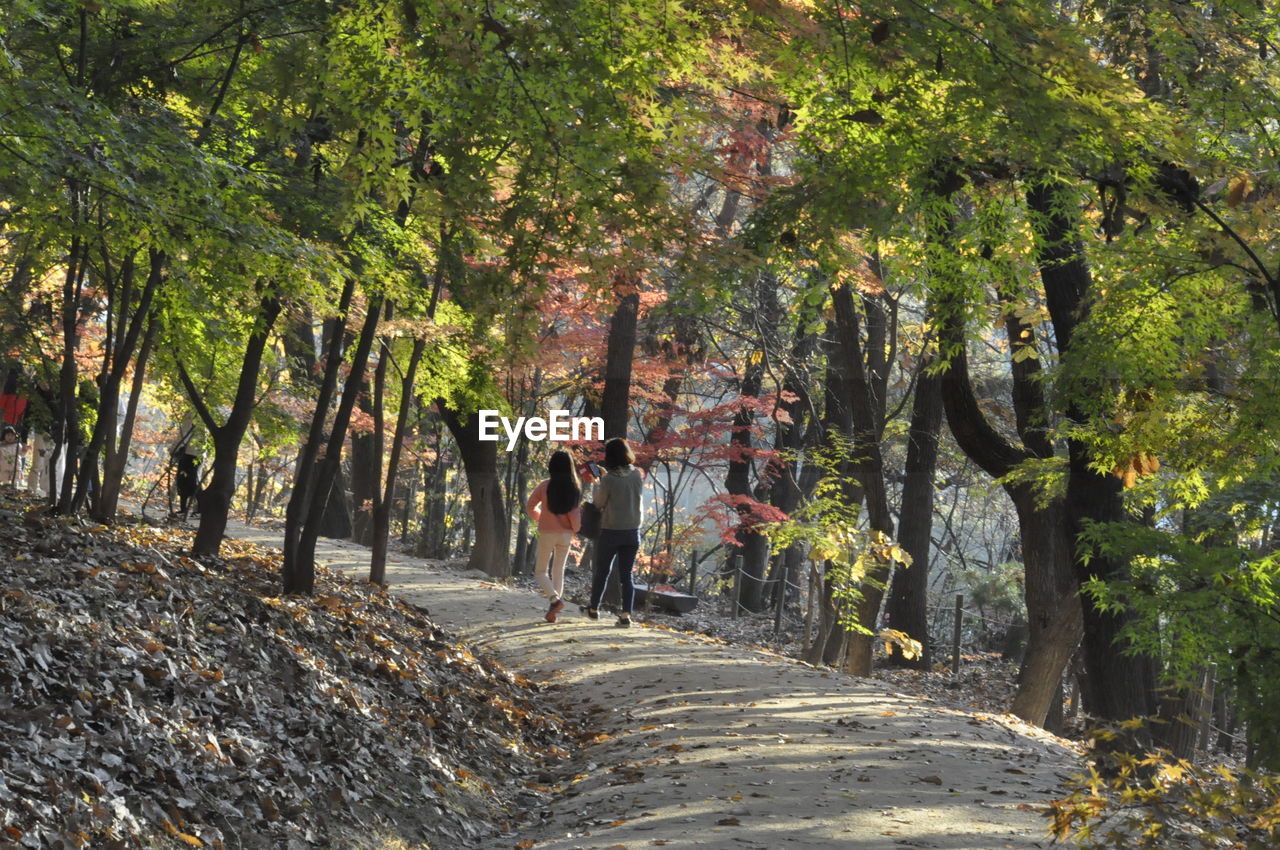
(547, 521)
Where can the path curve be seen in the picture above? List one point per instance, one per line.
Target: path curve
(710, 746)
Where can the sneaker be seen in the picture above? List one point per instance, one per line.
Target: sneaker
(624, 622)
(556, 608)
(592, 613)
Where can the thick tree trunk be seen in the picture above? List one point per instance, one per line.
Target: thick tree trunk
(431, 542)
(837, 425)
(489, 553)
(118, 457)
(615, 401)
(866, 407)
(1053, 606)
(753, 551)
(1124, 682)
(120, 353)
(215, 499)
(366, 469)
(386, 500)
(1182, 711)
(300, 574)
(304, 481)
(908, 605)
(1050, 589)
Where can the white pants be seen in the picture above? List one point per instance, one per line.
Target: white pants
(548, 568)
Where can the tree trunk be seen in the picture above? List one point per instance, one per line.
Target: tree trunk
(118, 458)
(366, 463)
(67, 423)
(1124, 682)
(300, 347)
(866, 407)
(386, 500)
(908, 605)
(300, 574)
(431, 542)
(489, 553)
(1053, 606)
(615, 401)
(304, 482)
(1049, 587)
(120, 353)
(753, 549)
(215, 499)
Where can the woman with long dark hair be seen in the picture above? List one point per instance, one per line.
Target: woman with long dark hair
(619, 494)
(555, 508)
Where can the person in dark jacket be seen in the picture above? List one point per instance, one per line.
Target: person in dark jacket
(187, 480)
(619, 494)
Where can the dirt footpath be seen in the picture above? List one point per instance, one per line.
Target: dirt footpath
(706, 745)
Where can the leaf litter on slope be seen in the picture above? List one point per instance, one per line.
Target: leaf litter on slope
(147, 699)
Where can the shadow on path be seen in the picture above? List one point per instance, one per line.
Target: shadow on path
(710, 746)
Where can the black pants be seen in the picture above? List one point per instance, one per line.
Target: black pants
(618, 546)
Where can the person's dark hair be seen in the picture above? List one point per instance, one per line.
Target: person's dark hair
(564, 491)
(618, 454)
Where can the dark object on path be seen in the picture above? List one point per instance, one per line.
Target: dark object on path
(187, 481)
(590, 521)
(671, 601)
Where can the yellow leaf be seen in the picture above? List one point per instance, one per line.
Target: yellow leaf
(189, 839)
(1238, 190)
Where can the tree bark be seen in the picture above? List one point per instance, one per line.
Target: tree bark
(866, 407)
(908, 605)
(752, 547)
(366, 469)
(117, 458)
(215, 499)
(1124, 682)
(382, 507)
(489, 553)
(615, 400)
(1049, 586)
(300, 574)
(307, 468)
(120, 354)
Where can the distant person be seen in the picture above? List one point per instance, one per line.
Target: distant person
(555, 507)
(187, 480)
(619, 494)
(9, 449)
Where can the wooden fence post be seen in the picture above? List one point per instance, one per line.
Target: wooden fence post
(955, 635)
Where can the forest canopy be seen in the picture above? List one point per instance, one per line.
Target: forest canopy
(775, 244)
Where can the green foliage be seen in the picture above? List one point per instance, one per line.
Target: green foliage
(1206, 594)
(828, 524)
